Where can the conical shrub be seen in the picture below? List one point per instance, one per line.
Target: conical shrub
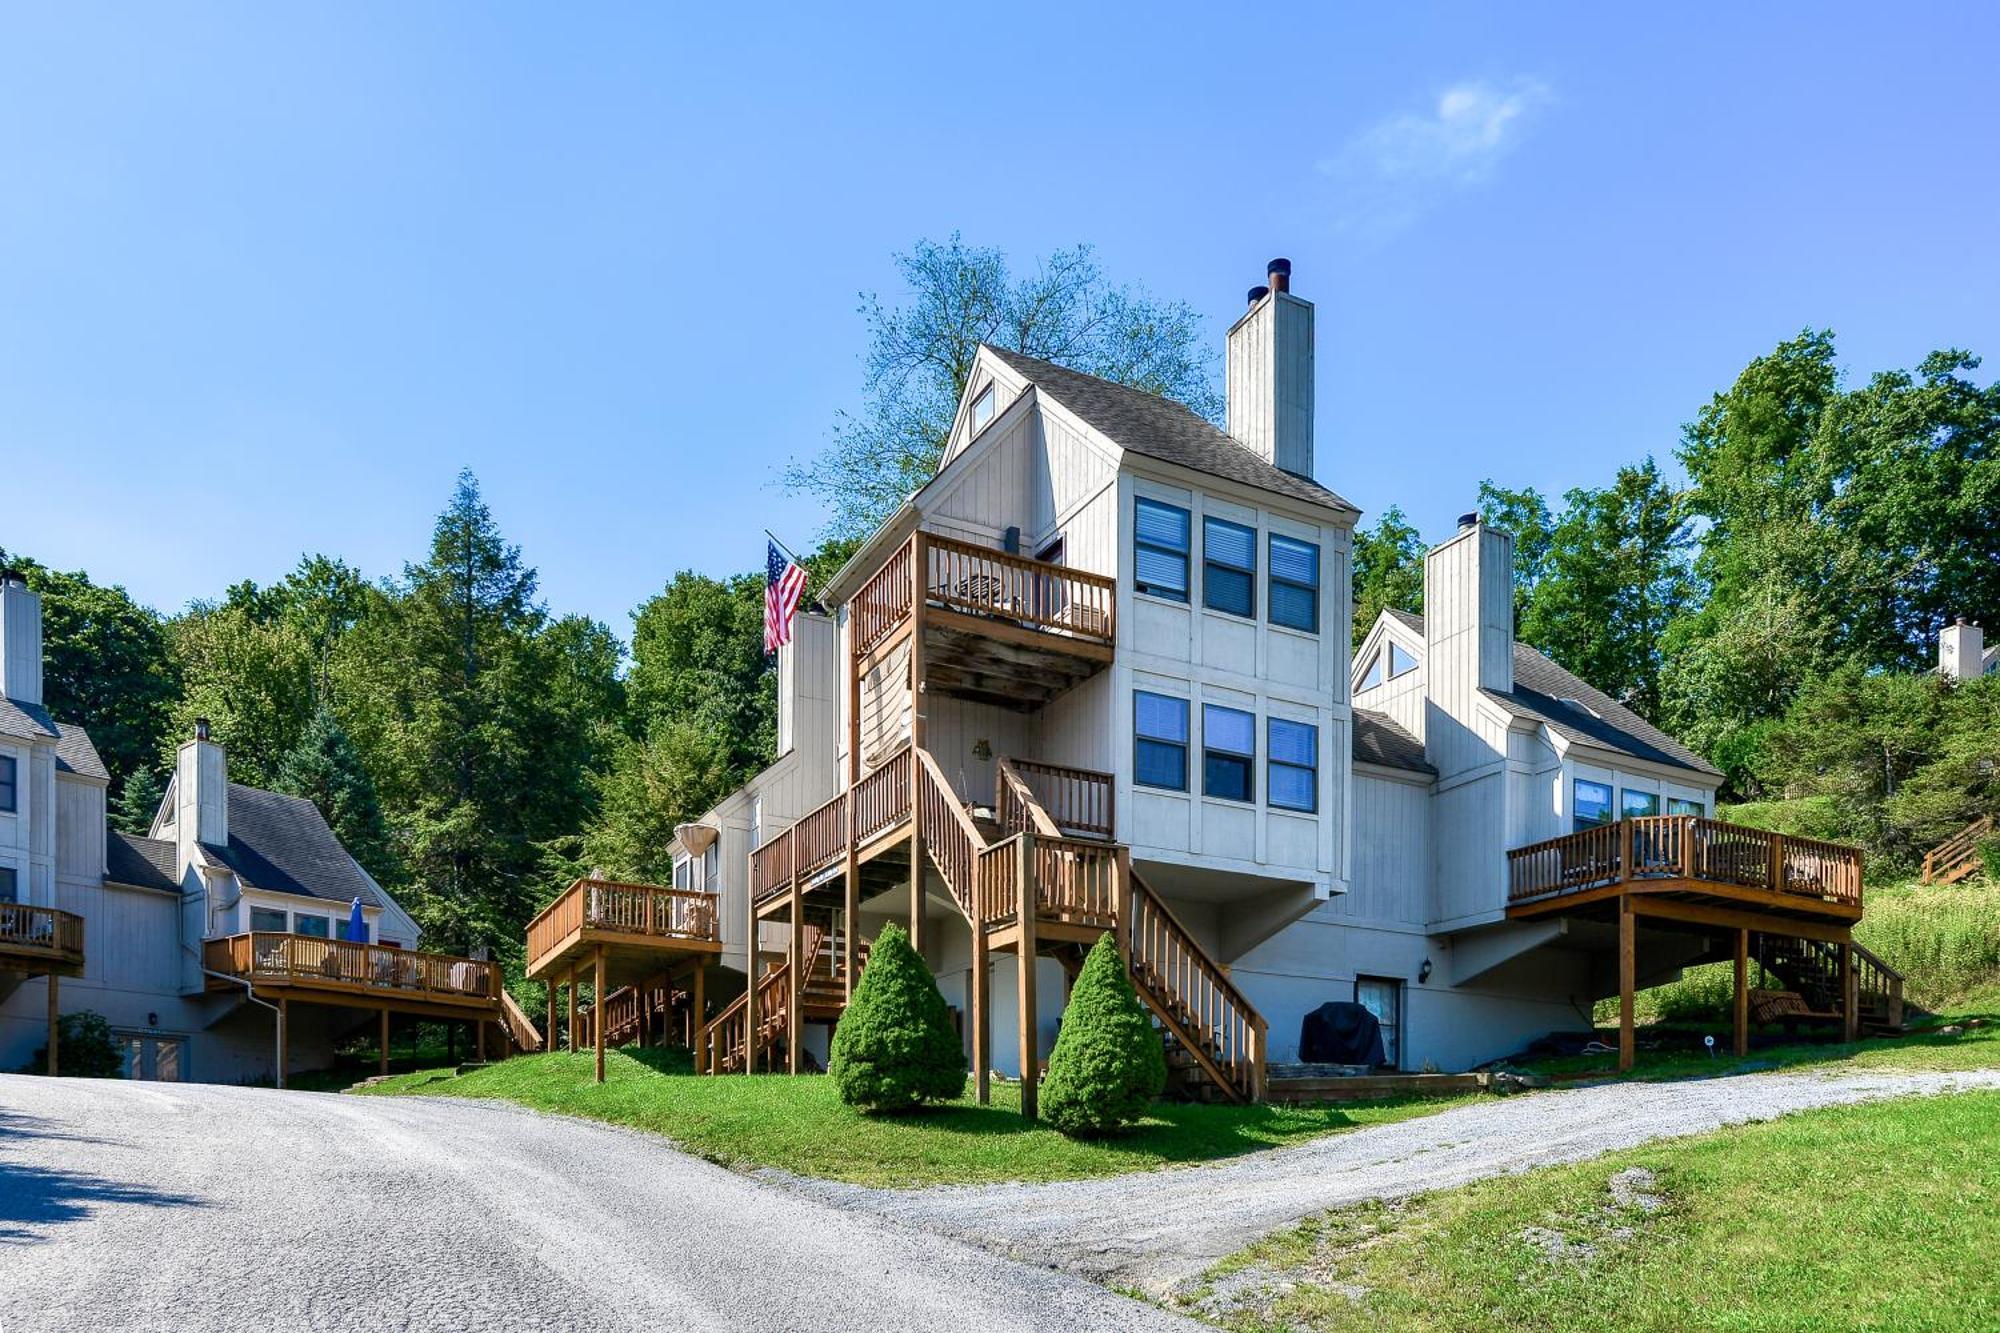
(1108, 1066)
(894, 1046)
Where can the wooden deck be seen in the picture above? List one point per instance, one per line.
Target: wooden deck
(40, 941)
(636, 928)
(991, 627)
(1797, 898)
(1697, 862)
(326, 971)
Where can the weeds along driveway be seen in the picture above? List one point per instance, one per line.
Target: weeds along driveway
(1155, 1230)
(141, 1206)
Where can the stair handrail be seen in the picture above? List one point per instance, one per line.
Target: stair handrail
(1017, 808)
(1956, 850)
(1242, 1026)
(520, 1027)
(773, 990)
(953, 840)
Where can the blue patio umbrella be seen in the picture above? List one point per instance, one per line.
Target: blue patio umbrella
(357, 928)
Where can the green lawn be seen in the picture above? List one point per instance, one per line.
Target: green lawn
(800, 1125)
(1883, 1216)
(1973, 1048)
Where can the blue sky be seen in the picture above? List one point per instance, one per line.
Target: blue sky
(269, 275)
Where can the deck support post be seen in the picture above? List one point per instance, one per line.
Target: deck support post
(550, 1044)
(284, 1039)
(55, 1025)
(919, 730)
(982, 1019)
(850, 908)
(479, 1040)
(572, 1008)
(1627, 970)
(1850, 996)
(597, 1012)
(795, 950)
(385, 1042)
(1024, 903)
(700, 1002)
(1742, 1006)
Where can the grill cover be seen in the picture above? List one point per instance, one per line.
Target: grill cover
(1338, 1033)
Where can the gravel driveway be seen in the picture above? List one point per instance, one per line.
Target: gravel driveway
(140, 1206)
(1152, 1231)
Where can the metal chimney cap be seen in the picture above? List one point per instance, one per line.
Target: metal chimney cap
(13, 576)
(201, 728)
(1258, 293)
(1467, 521)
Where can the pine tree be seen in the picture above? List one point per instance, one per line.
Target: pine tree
(1108, 1066)
(326, 769)
(139, 801)
(895, 1046)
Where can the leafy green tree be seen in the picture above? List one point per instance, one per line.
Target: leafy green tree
(920, 354)
(250, 672)
(894, 1047)
(1108, 1066)
(698, 656)
(326, 769)
(133, 809)
(85, 1048)
(105, 663)
(672, 776)
(1388, 570)
(1597, 585)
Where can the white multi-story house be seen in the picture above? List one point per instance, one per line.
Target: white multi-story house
(219, 947)
(1101, 663)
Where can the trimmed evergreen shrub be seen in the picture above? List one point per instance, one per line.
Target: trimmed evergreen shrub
(894, 1046)
(87, 1048)
(1108, 1066)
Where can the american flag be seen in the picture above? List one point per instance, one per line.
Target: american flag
(784, 585)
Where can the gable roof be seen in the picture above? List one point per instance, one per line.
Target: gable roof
(74, 751)
(149, 863)
(283, 844)
(1160, 428)
(1544, 692)
(1378, 740)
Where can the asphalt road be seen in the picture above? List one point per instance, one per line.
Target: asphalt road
(136, 1206)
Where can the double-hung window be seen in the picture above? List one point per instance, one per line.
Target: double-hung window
(1228, 753)
(1294, 595)
(10, 885)
(9, 783)
(1292, 771)
(1679, 805)
(1160, 741)
(269, 918)
(1160, 535)
(1229, 567)
(319, 927)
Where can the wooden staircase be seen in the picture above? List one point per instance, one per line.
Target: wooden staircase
(1812, 970)
(1957, 857)
(1047, 844)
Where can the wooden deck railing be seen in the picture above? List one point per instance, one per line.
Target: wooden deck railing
(882, 799)
(1216, 1021)
(41, 932)
(952, 839)
(723, 1049)
(1688, 847)
(1077, 799)
(310, 960)
(981, 581)
(1957, 856)
(626, 909)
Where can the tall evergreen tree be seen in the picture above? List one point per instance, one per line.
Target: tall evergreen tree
(326, 769)
(133, 809)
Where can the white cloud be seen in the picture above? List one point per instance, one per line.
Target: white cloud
(1398, 168)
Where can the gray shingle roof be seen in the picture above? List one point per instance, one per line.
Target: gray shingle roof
(147, 862)
(1545, 693)
(282, 843)
(74, 752)
(1161, 428)
(1378, 740)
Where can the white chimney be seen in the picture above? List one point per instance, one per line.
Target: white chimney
(20, 639)
(1469, 609)
(1270, 374)
(201, 791)
(1961, 651)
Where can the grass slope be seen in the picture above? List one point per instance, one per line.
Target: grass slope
(1880, 1216)
(800, 1125)
(1973, 1048)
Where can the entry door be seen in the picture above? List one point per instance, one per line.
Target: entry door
(1384, 999)
(155, 1059)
